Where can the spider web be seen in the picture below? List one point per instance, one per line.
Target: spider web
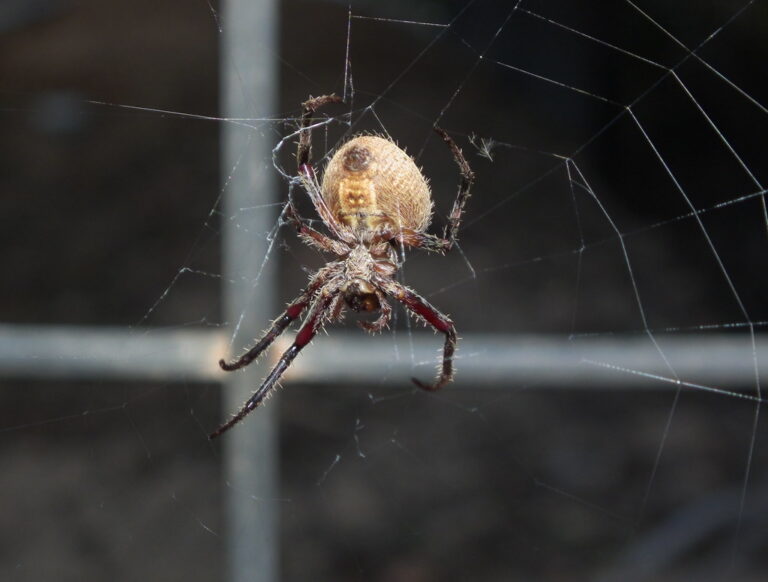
(620, 199)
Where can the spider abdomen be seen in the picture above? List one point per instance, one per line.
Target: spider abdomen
(370, 182)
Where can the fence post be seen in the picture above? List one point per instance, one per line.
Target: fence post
(249, 87)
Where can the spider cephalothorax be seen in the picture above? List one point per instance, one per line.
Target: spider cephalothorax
(373, 199)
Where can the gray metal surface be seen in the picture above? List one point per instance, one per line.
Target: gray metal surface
(69, 352)
(492, 361)
(249, 85)
(488, 360)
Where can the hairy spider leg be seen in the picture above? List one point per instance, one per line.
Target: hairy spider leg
(431, 242)
(467, 179)
(421, 240)
(418, 305)
(308, 108)
(383, 320)
(312, 187)
(293, 311)
(311, 236)
(305, 169)
(307, 331)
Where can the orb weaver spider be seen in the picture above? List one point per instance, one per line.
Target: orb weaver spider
(373, 200)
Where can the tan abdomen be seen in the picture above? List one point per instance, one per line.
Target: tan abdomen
(370, 181)
(357, 205)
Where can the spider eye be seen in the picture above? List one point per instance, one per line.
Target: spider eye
(357, 158)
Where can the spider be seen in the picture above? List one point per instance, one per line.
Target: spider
(374, 201)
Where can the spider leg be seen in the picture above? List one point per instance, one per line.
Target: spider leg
(308, 108)
(383, 320)
(336, 309)
(430, 242)
(418, 305)
(305, 169)
(422, 240)
(410, 238)
(307, 331)
(293, 311)
(311, 236)
(467, 179)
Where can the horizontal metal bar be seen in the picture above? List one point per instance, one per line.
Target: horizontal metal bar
(68, 352)
(500, 360)
(716, 360)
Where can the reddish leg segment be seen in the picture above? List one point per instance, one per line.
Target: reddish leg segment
(306, 333)
(467, 178)
(278, 326)
(418, 305)
(422, 240)
(383, 320)
(311, 236)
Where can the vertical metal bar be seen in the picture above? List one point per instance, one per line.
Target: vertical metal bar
(249, 89)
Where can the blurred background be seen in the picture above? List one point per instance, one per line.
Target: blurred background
(636, 227)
